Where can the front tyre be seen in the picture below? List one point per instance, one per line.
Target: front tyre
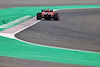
(39, 16)
(56, 16)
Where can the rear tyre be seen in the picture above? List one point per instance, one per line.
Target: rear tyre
(39, 16)
(56, 16)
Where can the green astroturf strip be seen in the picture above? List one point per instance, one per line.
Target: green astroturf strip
(14, 23)
(11, 14)
(7, 19)
(17, 49)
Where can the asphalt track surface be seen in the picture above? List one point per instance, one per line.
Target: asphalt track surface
(77, 29)
(15, 62)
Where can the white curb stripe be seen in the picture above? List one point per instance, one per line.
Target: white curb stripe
(15, 22)
(10, 32)
(8, 35)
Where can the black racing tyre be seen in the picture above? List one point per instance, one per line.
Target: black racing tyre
(39, 16)
(56, 16)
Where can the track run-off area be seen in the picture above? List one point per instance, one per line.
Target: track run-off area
(18, 49)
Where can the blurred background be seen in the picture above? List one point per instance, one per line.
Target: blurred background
(23, 3)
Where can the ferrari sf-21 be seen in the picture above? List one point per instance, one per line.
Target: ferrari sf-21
(48, 15)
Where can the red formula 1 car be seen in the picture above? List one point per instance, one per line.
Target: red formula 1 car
(48, 14)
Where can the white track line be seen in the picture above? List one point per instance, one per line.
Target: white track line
(15, 22)
(10, 32)
(57, 47)
(30, 23)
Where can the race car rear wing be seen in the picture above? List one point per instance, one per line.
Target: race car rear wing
(47, 10)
